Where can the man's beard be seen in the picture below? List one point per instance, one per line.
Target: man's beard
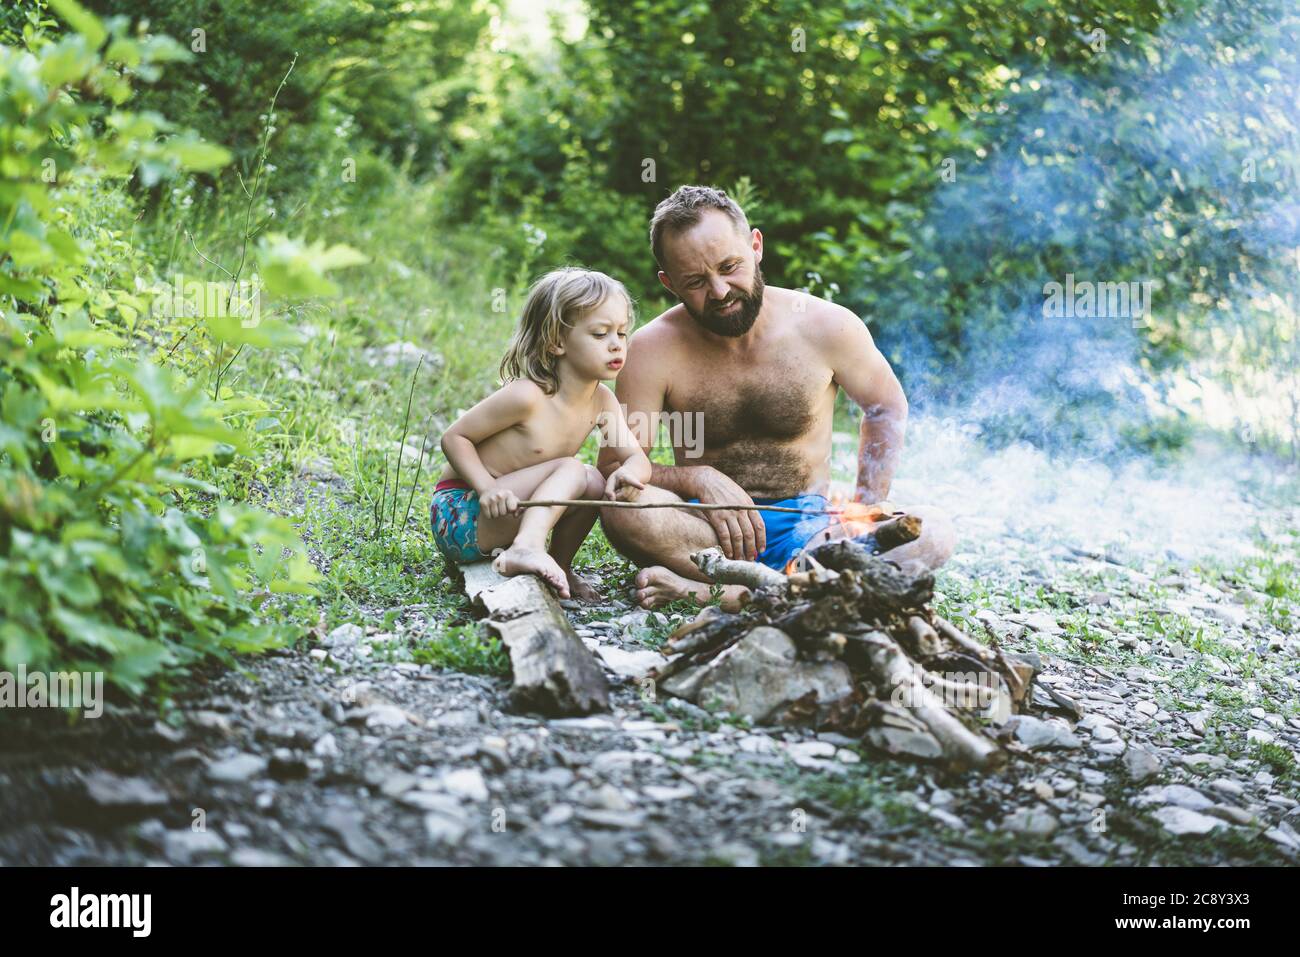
(738, 323)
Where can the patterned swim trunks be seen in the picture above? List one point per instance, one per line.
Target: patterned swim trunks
(454, 514)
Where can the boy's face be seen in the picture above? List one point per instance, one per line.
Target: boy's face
(597, 344)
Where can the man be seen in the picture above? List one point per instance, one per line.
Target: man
(761, 366)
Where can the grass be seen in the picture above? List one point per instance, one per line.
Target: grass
(463, 648)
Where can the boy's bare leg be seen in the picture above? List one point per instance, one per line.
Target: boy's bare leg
(572, 530)
(662, 540)
(527, 552)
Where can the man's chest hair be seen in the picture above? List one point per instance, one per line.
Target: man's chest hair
(782, 406)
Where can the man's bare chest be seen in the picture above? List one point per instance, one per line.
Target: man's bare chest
(778, 400)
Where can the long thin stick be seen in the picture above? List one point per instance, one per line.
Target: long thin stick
(697, 506)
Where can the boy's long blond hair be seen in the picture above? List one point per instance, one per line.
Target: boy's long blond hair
(555, 302)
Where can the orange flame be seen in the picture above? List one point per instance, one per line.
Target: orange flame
(849, 519)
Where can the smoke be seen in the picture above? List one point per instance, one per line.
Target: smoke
(1207, 505)
(1173, 166)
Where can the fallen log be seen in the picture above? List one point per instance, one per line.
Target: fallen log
(553, 672)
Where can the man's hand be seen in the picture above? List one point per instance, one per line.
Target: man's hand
(498, 502)
(740, 533)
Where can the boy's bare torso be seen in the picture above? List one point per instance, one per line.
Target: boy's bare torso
(555, 429)
(767, 407)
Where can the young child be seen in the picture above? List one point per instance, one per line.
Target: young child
(519, 443)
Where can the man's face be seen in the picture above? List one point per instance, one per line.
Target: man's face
(712, 267)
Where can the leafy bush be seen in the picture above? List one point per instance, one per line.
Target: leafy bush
(114, 554)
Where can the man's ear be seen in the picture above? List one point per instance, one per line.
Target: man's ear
(667, 283)
(756, 242)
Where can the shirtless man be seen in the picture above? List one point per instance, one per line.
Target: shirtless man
(762, 366)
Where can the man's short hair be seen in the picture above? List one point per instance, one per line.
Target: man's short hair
(684, 208)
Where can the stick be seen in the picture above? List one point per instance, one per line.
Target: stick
(726, 571)
(698, 506)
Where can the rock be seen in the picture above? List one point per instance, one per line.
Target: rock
(423, 800)
(657, 792)
(759, 676)
(1141, 763)
(212, 721)
(1180, 820)
(557, 814)
(612, 819)
(609, 798)
(256, 857)
(1227, 786)
(465, 783)
(445, 829)
(183, 846)
(1233, 815)
(1148, 708)
(326, 746)
(1038, 734)
(1032, 821)
(349, 827)
(237, 770)
(344, 637)
(1233, 615)
(1259, 736)
(385, 716)
(288, 765)
(810, 754)
(629, 664)
(1179, 795)
(121, 797)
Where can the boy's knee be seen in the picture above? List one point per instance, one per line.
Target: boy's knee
(595, 483)
(573, 470)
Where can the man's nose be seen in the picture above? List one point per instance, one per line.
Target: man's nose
(719, 290)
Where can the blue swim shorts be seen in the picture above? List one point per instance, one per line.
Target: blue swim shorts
(454, 514)
(787, 532)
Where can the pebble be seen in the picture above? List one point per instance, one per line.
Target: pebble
(1180, 820)
(238, 769)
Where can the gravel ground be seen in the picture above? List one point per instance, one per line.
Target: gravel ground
(1165, 731)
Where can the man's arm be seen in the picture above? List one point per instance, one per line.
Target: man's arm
(641, 392)
(866, 377)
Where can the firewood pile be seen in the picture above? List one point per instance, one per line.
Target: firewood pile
(848, 644)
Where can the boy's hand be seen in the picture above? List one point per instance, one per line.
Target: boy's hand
(620, 478)
(498, 502)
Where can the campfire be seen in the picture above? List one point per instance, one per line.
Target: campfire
(844, 640)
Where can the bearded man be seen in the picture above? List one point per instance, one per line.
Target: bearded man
(761, 366)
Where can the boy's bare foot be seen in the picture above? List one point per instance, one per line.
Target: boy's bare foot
(529, 560)
(656, 586)
(579, 588)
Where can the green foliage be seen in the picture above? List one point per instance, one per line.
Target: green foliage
(383, 77)
(115, 553)
(464, 648)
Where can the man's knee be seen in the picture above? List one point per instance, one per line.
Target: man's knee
(938, 534)
(634, 532)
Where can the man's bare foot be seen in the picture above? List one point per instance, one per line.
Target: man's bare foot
(657, 586)
(529, 560)
(579, 588)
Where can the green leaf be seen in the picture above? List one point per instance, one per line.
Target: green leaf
(81, 20)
